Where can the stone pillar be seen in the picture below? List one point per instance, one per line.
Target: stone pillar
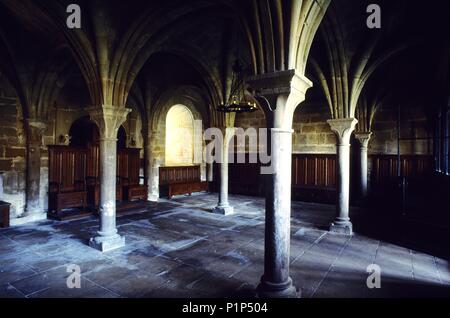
(35, 131)
(108, 120)
(279, 94)
(224, 207)
(343, 129)
(363, 139)
(152, 169)
(210, 172)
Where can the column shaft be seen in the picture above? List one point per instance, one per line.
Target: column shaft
(276, 281)
(223, 206)
(108, 162)
(363, 139)
(343, 129)
(343, 185)
(363, 172)
(152, 171)
(35, 130)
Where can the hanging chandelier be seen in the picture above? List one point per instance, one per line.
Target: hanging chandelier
(239, 102)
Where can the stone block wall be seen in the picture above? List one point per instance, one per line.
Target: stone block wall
(414, 124)
(12, 154)
(312, 134)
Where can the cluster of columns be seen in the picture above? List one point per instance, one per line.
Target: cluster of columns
(281, 92)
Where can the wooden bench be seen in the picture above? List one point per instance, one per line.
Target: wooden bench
(180, 180)
(66, 198)
(4, 211)
(133, 191)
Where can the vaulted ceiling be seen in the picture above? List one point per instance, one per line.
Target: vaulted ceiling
(151, 45)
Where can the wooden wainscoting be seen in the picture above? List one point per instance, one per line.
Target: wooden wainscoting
(384, 167)
(314, 177)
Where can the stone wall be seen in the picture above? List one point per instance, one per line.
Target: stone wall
(312, 134)
(12, 154)
(414, 124)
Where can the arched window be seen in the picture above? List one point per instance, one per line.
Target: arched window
(179, 136)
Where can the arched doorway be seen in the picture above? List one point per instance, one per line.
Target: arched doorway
(84, 133)
(179, 136)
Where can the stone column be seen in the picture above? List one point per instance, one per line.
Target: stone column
(363, 139)
(343, 129)
(279, 94)
(210, 172)
(152, 169)
(224, 207)
(35, 131)
(108, 120)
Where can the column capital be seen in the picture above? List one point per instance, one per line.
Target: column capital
(278, 83)
(363, 138)
(36, 129)
(36, 123)
(108, 119)
(279, 94)
(343, 129)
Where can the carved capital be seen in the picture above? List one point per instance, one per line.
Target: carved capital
(278, 83)
(343, 129)
(363, 139)
(280, 93)
(108, 119)
(35, 131)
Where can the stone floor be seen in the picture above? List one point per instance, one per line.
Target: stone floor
(179, 249)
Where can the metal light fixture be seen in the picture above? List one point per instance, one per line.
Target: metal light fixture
(238, 101)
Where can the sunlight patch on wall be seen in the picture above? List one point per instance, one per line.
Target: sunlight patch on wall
(179, 136)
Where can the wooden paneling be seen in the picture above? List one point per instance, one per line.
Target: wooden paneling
(314, 171)
(67, 178)
(384, 167)
(314, 176)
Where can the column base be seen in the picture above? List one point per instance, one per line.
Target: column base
(271, 290)
(339, 227)
(107, 243)
(223, 210)
(153, 198)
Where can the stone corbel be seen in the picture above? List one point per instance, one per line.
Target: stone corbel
(343, 129)
(108, 119)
